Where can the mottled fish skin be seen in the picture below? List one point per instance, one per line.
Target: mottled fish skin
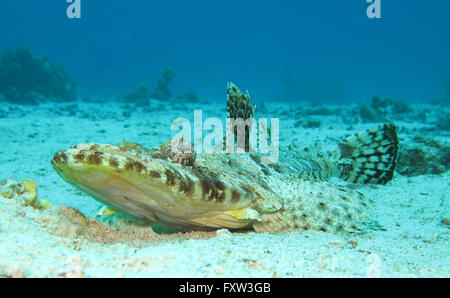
(236, 190)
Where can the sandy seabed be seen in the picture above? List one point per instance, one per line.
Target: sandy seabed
(62, 242)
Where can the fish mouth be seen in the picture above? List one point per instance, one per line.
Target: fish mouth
(152, 189)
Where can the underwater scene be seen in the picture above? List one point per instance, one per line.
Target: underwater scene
(224, 138)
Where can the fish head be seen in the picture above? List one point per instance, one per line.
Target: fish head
(148, 185)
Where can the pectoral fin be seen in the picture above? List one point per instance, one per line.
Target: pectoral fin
(232, 219)
(105, 210)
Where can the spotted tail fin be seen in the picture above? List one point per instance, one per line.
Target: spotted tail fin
(370, 156)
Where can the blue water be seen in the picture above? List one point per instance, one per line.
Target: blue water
(330, 50)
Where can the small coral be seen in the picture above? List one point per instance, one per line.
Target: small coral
(446, 221)
(321, 111)
(444, 122)
(25, 191)
(188, 96)
(140, 96)
(28, 80)
(378, 103)
(307, 124)
(384, 109)
(162, 90)
(312, 124)
(368, 114)
(423, 156)
(401, 107)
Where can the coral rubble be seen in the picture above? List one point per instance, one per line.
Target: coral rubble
(162, 90)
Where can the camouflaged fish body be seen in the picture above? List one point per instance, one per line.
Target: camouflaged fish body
(235, 191)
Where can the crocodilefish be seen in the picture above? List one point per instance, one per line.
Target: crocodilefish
(185, 190)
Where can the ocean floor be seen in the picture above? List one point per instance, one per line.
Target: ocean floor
(66, 241)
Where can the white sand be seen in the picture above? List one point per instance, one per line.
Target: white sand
(415, 242)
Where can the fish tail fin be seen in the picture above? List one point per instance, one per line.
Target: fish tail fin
(370, 156)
